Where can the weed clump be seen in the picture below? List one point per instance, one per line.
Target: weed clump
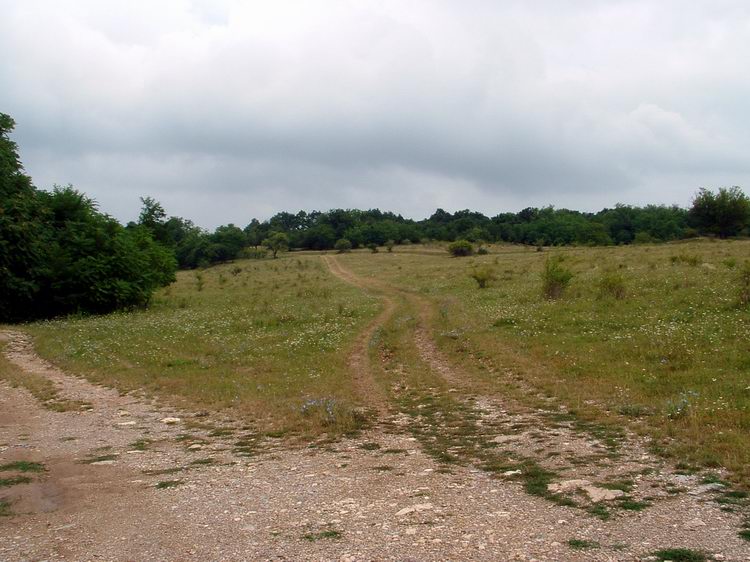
(555, 278)
(580, 544)
(680, 407)
(483, 276)
(331, 415)
(692, 259)
(612, 284)
(389, 245)
(460, 248)
(680, 555)
(373, 247)
(745, 284)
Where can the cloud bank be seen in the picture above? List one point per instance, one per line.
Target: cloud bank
(228, 110)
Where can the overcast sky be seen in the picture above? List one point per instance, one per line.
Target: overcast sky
(228, 110)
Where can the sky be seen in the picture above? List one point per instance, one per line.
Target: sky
(227, 110)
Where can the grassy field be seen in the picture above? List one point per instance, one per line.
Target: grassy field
(651, 336)
(266, 338)
(648, 334)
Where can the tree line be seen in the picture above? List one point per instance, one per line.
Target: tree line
(723, 213)
(59, 254)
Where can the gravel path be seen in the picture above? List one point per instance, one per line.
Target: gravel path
(127, 478)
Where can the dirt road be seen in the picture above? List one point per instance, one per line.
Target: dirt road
(126, 478)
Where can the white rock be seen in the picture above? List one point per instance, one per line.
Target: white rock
(414, 508)
(169, 420)
(567, 485)
(126, 423)
(698, 490)
(694, 524)
(97, 463)
(511, 472)
(195, 447)
(602, 494)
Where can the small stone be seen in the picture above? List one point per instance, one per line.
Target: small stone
(195, 447)
(694, 524)
(99, 463)
(126, 423)
(414, 508)
(511, 472)
(169, 420)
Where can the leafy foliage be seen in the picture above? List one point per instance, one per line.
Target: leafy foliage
(461, 248)
(60, 255)
(725, 213)
(277, 242)
(342, 245)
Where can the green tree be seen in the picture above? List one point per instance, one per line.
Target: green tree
(277, 241)
(725, 213)
(23, 244)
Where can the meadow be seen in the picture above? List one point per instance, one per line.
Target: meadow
(262, 337)
(651, 336)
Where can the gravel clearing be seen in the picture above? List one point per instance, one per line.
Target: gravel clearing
(128, 479)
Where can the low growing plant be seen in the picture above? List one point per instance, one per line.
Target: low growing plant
(612, 284)
(555, 278)
(483, 276)
(745, 284)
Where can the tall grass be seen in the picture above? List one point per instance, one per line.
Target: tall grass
(673, 355)
(263, 337)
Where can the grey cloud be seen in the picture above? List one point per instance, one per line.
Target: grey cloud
(228, 110)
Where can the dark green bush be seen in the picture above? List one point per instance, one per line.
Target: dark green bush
(461, 248)
(342, 245)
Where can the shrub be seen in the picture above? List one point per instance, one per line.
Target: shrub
(643, 238)
(342, 245)
(612, 284)
(461, 248)
(483, 275)
(373, 247)
(745, 284)
(692, 260)
(482, 251)
(254, 253)
(389, 245)
(555, 278)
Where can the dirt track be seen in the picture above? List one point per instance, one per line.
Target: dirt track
(377, 497)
